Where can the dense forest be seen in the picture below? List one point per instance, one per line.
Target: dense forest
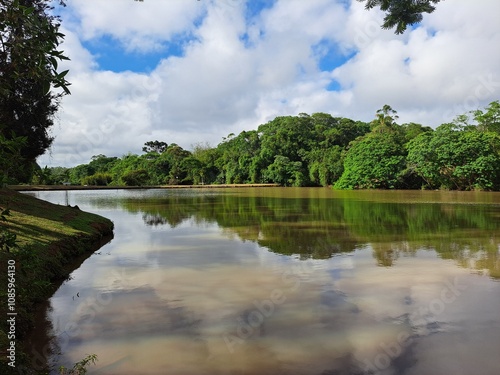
(317, 150)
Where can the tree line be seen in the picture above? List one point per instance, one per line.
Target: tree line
(317, 150)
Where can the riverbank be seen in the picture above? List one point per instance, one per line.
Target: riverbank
(92, 187)
(51, 239)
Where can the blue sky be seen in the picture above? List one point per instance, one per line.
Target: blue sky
(110, 55)
(189, 72)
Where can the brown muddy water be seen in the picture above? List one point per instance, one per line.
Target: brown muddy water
(283, 281)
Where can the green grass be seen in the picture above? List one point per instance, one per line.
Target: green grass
(50, 240)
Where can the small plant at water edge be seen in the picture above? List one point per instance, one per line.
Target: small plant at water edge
(79, 368)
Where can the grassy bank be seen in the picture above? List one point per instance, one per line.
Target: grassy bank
(50, 239)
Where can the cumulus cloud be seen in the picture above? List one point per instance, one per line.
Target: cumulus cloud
(137, 26)
(433, 72)
(236, 68)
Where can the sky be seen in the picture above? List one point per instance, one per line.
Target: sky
(193, 71)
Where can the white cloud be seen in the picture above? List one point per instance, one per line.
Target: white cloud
(141, 26)
(433, 72)
(236, 73)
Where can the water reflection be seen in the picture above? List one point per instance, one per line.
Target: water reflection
(286, 281)
(321, 227)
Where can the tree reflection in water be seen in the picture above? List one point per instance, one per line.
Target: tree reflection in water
(320, 227)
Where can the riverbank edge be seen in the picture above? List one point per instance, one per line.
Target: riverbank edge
(53, 241)
(112, 187)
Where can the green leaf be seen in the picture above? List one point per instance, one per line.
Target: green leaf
(62, 74)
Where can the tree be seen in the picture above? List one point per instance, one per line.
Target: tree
(10, 157)
(331, 136)
(291, 137)
(325, 166)
(285, 172)
(29, 38)
(207, 156)
(155, 146)
(175, 155)
(193, 170)
(239, 158)
(385, 118)
(137, 177)
(98, 179)
(402, 13)
(374, 161)
(456, 157)
(59, 175)
(102, 163)
(78, 173)
(342, 132)
(412, 130)
(489, 120)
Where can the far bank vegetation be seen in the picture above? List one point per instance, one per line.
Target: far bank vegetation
(316, 150)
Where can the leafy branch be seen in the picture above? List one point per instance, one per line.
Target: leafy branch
(80, 368)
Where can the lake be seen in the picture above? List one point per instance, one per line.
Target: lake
(283, 281)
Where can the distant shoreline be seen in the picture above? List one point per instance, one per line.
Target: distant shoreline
(93, 187)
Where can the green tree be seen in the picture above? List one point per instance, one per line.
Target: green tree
(332, 136)
(402, 13)
(456, 157)
(10, 157)
(102, 163)
(340, 132)
(325, 166)
(42, 176)
(207, 156)
(290, 137)
(239, 158)
(312, 142)
(375, 161)
(385, 119)
(29, 55)
(59, 175)
(489, 120)
(160, 168)
(136, 177)
(177, 174)
(412, 130)
(285, 172)
(155, 146)
(98, 179)
(127, 163)
(193, 170)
